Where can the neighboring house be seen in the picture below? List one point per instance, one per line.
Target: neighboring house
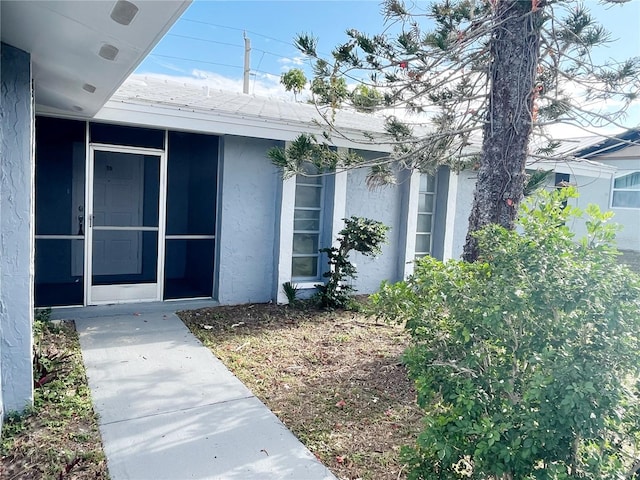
(621, 153)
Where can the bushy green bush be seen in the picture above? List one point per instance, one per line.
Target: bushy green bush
(527, 361)
(363, 235)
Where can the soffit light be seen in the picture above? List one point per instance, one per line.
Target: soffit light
(87, 87)
(123, 12)
(108, 52)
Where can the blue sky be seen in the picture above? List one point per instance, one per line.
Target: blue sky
(206, 44)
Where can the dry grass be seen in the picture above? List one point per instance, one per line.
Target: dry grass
(334, 378)
(59, 438)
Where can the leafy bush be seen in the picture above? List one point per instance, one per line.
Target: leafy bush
(526, 361)
(360, 234)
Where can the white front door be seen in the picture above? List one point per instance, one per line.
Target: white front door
(125, 224)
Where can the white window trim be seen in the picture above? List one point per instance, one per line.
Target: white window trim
(432, 213)
(323, 192)
(285, 250)
(412, 224)
(613, 190)
(286, 236)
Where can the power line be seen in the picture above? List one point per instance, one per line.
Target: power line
(200, 39)
(194, 60)
(253, 70)
(237, 29)
(204, 40)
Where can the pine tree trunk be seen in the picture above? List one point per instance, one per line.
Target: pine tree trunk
(515, 52)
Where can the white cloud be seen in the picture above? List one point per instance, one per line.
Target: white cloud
(292, 61)
(260, 84)
(287, 63)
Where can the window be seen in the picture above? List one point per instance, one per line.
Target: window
(307, 223)
(426, 210)
(562, 181)
(626, 191)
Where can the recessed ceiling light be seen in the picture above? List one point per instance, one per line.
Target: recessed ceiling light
(87, 87)
(108, 52)
(78, 108)
(123, 12)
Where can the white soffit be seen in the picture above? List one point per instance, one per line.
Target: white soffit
(65, 38)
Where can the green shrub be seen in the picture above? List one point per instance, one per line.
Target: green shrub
(360, 234)
(526, 362)
(291, 291)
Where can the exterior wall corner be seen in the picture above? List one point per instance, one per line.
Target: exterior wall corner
(16, 227)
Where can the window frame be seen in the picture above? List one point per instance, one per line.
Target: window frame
(318, 233)
(614, 190)
(420, 254)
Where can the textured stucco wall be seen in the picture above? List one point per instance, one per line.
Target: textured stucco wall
(16, 239)
(247, 224)
(384, 205)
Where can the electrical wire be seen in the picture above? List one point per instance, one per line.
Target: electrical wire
(194, 60)
(202, 22)
(204, 40)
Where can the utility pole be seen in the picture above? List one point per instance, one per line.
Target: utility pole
(247, 63)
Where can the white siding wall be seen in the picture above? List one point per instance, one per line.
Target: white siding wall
(592, 190)
(626, 161)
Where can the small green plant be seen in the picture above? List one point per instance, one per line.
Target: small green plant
(291, 291)
(48, 362)
(527, 361)
(362, 235)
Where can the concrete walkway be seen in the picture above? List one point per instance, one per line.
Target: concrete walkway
(170, 410)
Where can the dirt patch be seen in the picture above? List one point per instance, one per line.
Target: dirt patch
(59, 438)
(335, 379)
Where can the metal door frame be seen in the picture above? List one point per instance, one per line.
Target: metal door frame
(124, 293)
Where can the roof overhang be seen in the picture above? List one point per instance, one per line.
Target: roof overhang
(161, 102)
(575, 166)
(219, 123)
(609, 145)
(81, 52)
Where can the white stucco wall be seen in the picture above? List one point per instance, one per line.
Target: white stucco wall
(382, 204)
(246, 223)
(16, 236)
